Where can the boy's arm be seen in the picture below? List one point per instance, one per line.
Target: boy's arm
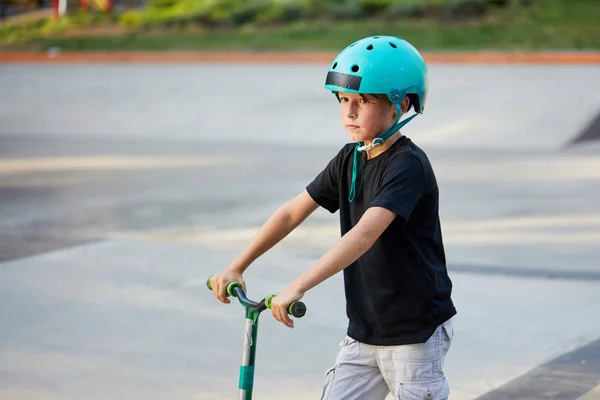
(278, 226)
(348, 249)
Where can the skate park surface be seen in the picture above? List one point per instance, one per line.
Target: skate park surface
(123, 187)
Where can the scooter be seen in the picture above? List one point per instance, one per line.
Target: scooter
(253, 309)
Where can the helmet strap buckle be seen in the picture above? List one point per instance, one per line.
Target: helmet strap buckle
(377, 142)
(368, 147)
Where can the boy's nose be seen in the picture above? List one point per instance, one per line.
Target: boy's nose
(351, 112)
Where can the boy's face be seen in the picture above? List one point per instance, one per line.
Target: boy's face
(365, 116)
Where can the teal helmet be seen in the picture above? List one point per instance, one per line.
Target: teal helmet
(381, 65)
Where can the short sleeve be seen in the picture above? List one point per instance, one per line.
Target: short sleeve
(324, 189)
(401, 187)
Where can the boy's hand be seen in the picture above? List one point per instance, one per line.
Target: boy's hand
(280, 304)
(220, 280)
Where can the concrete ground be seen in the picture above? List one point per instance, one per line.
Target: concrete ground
(123, 187)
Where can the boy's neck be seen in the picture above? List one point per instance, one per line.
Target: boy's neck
(386, 145)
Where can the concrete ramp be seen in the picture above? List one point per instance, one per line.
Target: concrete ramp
(517, 108)
(514, 108)
(590, 133)
(123, 187)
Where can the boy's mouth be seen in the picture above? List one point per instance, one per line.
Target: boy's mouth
(352, 127)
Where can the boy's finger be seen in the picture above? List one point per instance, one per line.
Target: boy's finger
(224, 297)
(281, 315)
(277, 313)
(286, 319)
(221, 295)
(215, 287)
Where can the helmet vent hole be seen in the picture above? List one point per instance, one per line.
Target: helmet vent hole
(393, 45)
(375, 37)
(334, 65)
(355, 68)
(370, 47)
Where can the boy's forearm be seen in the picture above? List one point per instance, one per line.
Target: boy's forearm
(277, 227)
(346, 251)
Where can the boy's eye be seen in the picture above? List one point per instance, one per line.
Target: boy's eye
(344, 99)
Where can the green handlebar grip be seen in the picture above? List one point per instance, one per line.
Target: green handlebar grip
(296, 309)
(268, 300)
(230, 286)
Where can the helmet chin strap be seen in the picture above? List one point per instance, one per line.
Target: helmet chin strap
(378, 141)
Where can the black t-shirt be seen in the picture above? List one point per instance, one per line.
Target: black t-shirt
(398, 292)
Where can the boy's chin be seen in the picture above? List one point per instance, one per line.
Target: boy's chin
(355, 137)
(358, 138)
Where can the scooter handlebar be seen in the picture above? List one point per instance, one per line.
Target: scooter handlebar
(230, 287)
(296, 309)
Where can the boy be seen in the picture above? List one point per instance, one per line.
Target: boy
(397, 287)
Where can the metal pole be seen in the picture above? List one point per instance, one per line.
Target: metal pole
(248, 355)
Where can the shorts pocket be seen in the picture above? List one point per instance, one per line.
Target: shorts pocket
(448, 330)
(329, 375)
(419, 362)
(413, 371)
(349, 350)
(420, 352)
(448, 335)
(424, 391)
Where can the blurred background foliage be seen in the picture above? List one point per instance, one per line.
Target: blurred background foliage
(318, 25)
(215, 13)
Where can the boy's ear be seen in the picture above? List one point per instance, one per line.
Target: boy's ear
(405, 105)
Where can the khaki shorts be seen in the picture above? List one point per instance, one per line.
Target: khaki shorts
(409, 372)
